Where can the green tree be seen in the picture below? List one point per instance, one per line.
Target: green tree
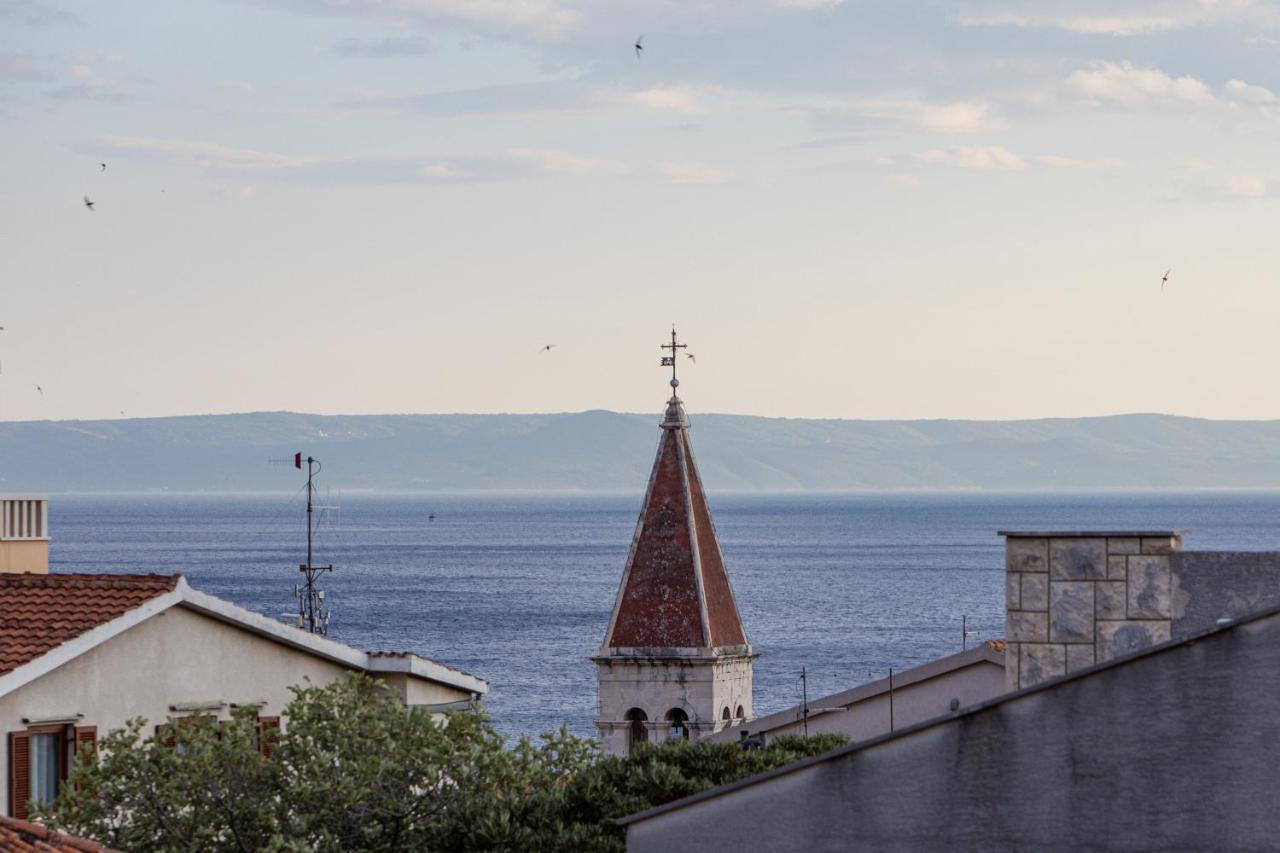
(356, 770)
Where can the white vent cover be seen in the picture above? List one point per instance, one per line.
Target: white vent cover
(24, 518)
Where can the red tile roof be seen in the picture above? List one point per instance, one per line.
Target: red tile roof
(676, 573)
(41, 612)
(21, 835)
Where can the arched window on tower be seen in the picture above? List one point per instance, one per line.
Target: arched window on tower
(636, 732)
(742, 715)
(679, 721)
(724, 715)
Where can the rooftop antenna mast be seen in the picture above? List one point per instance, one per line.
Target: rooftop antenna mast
(312, 614)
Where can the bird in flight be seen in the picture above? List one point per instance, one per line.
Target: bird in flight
(41, 390)
(1166, 278)
(104, 167)
(639, 46)
(691, 357)
(88, 203)
(547, 348)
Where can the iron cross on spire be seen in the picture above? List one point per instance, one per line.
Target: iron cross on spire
(670, 360)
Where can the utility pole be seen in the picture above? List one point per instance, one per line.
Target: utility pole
(804, 698)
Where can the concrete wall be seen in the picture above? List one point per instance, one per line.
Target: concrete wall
(1076, 599)
(1178, 749)
(20, 556)
(700, 686)
(176, 657)
(1213, 585)
(919, 694)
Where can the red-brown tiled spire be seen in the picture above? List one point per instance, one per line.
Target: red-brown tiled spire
(675, 592)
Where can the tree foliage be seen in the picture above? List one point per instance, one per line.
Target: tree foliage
(356, 770)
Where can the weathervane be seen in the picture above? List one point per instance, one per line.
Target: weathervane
(670, 360)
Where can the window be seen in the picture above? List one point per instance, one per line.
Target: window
(724, 715)
(679, 721)
(636, 732)
(741, 715)
(40, 759)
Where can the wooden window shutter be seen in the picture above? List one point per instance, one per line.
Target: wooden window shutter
(172, 740)
(19, 774)
(268, 734)
(87, 735)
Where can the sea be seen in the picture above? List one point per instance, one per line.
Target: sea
(518, 588)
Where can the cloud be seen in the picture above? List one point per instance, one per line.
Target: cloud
(1135, 17)
(807, 4)
(1242, 92)
(399, 46)
(903, 181)
(543, 19)
(949, 117)
(505, 99)
(679, 99)
(253, 164)
(1056, 162)
(87, 85)
(990, 158)
(1246, 186)
(35, 14)
(16, 67)
(690, 173)
(1127, 85)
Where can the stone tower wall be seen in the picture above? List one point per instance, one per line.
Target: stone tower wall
(1076, 599)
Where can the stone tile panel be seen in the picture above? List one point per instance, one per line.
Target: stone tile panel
(1078, 559)
(1079, 657)
(1116, 639)
(1150, 596)
(1013, 592)
(1071, 611)
(1117, 568)
(1110, 600)
(1124, 545)
(1038, 662)
(1024, 627)
(1162, 545)
(1035, 592)
(1026, 555)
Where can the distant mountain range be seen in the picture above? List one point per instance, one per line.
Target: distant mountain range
(601, 450)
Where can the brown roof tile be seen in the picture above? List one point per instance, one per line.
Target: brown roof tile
(20, 836)
(41, 612)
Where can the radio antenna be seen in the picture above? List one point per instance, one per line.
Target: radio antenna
(313, 615)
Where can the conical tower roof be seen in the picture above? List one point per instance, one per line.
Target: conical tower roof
(675, 592)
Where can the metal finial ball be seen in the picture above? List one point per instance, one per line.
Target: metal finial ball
(675, 383)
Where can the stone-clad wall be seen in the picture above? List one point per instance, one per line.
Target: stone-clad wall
(1076, 599)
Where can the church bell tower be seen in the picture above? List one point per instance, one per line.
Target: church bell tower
(675, 661)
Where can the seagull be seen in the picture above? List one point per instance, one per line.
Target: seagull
(547, 348)
(88, 203)
(639, 46)
(41, 390)
(691, 357)
(1166, 278)
(104, 167)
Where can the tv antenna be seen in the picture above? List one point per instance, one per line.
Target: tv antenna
(313, 615)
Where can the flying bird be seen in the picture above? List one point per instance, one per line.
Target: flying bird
(547, 348)
(88, 203)
(1166, 278)
(41, 390)
(691, 357)
(639, 46)
(104, 167)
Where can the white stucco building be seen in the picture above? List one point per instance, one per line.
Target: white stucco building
(81, 654)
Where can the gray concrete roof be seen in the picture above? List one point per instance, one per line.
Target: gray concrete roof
(1116, 534)
(839, 702)
(944, 720)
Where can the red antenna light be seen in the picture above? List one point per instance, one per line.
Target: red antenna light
(297, 461)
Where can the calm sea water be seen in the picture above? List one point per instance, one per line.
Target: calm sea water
(518, 588)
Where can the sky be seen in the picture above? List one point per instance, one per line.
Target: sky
(857, 209)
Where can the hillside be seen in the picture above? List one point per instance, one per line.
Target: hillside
(608, 450)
